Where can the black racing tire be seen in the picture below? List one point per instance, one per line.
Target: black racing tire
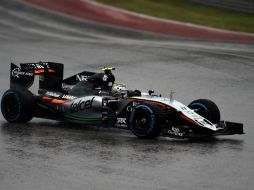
(206, 108)
(145, 121)
(17, 105)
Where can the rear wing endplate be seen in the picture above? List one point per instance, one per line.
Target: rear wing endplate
(51, 75)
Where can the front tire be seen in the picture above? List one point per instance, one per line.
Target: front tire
(207, 109)
(17, 105)
(145, 121)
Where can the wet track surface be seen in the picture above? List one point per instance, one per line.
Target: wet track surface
(50, 155)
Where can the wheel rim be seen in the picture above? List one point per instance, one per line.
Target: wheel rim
(142, 119)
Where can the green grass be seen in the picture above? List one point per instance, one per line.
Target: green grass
(183, 10)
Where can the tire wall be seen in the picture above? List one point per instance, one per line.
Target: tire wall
(237, 5)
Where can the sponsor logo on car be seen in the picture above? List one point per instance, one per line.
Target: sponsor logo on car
(52, 94)
(81, 77)
(130, 107)
(66, 86)
(69, 97)
(121, 122)
(32, 66)
(16, 72)
(176, 132)
(81, 105)
(105, 78)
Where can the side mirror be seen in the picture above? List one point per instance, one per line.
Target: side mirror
(150, 92)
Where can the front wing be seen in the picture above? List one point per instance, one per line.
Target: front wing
(223, 128)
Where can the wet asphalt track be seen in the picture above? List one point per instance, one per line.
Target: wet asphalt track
(46, 155)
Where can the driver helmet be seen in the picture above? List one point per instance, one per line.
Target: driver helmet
(117, 87)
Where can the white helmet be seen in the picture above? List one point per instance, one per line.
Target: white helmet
(119, 87)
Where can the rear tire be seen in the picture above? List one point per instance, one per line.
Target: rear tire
(145, 121)
(207, 109)
(17, 105)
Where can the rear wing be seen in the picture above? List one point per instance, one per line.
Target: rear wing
(50, 75)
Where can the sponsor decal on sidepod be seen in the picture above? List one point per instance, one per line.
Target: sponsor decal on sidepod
(81, 105)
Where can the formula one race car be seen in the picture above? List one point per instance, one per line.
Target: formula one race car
(95, 98)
